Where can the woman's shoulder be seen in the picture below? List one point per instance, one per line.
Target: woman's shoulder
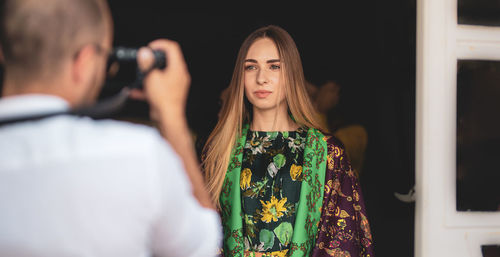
(332, 141)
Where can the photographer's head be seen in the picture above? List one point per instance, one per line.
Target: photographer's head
(57, 47)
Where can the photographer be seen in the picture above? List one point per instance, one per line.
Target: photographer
(73, 186)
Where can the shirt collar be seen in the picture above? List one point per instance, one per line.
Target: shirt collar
(31, 104)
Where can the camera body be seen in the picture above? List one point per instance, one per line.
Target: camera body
(123, 67)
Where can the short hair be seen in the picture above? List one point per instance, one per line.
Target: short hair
(36, 36)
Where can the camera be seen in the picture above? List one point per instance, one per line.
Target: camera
(122, 67)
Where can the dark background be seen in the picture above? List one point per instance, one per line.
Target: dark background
(367, 46)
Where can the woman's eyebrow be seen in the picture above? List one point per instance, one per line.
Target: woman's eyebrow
(268, 61)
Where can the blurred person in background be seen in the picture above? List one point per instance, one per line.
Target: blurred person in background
(326, 99)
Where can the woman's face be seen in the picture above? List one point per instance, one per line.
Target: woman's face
(262, 73)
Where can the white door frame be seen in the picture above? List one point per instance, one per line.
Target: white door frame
(439, 229)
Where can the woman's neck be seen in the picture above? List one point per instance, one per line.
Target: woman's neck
(276, 119)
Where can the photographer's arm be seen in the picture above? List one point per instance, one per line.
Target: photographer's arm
(166, 91)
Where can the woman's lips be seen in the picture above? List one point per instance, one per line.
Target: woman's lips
(262, 93)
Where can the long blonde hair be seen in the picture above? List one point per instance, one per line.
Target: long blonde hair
(236, 110)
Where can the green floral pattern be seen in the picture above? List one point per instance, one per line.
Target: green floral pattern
(308, 211)
(270, 181)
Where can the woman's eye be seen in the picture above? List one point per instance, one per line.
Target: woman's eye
(275, 67)
(250, 67)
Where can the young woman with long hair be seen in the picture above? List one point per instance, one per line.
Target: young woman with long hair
(283, 186)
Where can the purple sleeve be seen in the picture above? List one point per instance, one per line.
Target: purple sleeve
(343, 229)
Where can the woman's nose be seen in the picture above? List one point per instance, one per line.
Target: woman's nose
(262, 77)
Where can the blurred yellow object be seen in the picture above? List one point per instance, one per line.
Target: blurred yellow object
(355, 138)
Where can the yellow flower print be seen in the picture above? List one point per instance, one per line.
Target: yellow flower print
(295, 172)
(272, 210)
(246, 176)
(281, 253)
(341, 223)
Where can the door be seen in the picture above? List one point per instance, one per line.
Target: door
(441, 230)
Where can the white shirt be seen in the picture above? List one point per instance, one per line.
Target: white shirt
(72, 186)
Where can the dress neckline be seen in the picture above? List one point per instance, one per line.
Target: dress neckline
(298, 130)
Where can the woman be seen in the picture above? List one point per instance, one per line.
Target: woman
(282, 186)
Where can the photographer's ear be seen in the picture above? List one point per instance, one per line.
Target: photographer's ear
(83, 65)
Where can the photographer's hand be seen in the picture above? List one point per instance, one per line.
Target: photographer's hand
(166, 91)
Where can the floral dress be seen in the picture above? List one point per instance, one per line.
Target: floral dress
(270, 182)
(330, 218)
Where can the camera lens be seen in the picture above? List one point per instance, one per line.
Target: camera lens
(122, 66)
(125, 54)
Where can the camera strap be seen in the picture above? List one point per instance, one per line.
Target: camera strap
(100, 110)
